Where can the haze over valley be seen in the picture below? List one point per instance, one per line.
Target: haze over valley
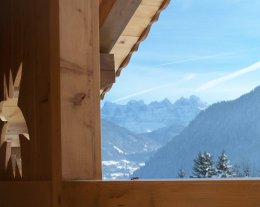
(160, 139)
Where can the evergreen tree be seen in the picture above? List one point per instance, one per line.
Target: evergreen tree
(237, 171)
(246, 170)
(203, 166)
(224, 169)
(181, 173)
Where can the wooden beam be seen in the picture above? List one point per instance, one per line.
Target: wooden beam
(107, 70)
(104, 9)
(29, 194)
(114, 23)
(239, 193)
(80, 86)
(55, 102)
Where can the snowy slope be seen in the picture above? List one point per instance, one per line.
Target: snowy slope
(231, 126)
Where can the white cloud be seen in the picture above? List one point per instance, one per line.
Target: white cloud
(228, 77)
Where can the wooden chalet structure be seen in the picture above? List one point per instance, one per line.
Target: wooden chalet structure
(58, 59)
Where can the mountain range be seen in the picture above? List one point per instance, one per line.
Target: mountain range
(126, 144)
(139, 117)
(233, 126)
(124, 151)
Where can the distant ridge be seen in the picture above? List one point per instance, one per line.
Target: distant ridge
(119, 143)
(124, 151)
(139, 117)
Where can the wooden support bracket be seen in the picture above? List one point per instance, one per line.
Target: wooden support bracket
(107, 70)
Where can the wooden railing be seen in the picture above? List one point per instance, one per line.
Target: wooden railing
(224, 193)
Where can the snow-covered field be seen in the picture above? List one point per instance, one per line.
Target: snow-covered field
(122, 169)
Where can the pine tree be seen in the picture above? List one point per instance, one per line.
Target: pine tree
(181, 173)
(237, 171)
(246, 170)
(203, 166)
(224, 169)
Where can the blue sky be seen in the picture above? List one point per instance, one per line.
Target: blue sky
(208, 48)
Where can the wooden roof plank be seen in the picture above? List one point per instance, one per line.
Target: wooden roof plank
(125, 42)
(135, 32)
(156, 3)
(136, 27)
(115, 23)
(146, 11)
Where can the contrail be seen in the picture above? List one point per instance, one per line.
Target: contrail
(138, 93)
(206, 57)
(189, 60)
(230, 76)
(186, 78)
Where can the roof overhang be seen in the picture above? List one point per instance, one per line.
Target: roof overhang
(123, 26)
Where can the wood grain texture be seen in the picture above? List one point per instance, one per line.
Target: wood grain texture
(80, 85)
(143, 35)
(25, 194)
(107, 70)
(11, 43)
(104, 9)
(162, 194)
(55, 102)
(34, 99)
(5, 154)
(157, 3)
(115, 23)
(138, 28)
(11, 34)
(30, 35)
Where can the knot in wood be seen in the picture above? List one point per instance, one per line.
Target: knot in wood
(79, 98)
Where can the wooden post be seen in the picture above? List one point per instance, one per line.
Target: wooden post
(57, 44)
(80, 101)
(30, 39)
(40, 94)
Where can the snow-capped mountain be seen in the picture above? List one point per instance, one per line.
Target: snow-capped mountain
(139, 117)
(124, 151)
(233, 126)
